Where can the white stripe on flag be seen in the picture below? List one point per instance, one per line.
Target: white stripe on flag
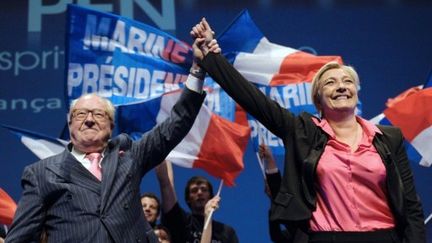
(260, 66)
(42, 148)
(185, 153)
(377, 119)
(422, 144)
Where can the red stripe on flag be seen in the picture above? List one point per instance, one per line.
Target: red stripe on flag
(411, 113)
(393, 101)
(7, 208)
(241, 116)
(300, 67)
(222, 150)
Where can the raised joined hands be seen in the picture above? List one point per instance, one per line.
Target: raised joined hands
(204, 40)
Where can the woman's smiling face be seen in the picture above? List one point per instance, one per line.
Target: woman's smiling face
(337, 91)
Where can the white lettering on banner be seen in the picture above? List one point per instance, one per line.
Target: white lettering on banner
(29, 60)
(110, 80)
(258, 130)
(291, 95)
(164, 20)
(36, 104)
(130, 40)
(287, 96)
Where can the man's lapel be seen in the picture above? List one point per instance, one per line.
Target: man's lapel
(69, 169)
(109, 168)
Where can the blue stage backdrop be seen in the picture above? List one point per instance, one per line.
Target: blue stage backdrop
(388, 42)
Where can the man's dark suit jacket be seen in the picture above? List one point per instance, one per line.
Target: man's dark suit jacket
(304, 143)
(64, 199)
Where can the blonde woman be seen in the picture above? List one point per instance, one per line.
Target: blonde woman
(345, 179)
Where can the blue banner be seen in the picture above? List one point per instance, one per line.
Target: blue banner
(127, 61)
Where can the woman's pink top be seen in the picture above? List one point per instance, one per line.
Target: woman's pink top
(351, 186)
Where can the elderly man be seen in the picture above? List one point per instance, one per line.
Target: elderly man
(90, 192)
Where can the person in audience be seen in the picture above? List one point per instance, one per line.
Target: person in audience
(272, 183)
(184, 226)
(151, 207)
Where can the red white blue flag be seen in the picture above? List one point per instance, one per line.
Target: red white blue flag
(411, 111)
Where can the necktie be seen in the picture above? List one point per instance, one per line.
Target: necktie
(94, 166)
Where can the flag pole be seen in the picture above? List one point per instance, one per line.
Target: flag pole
(428, 219)
(260, 161)
(261, 164)
(212, 210)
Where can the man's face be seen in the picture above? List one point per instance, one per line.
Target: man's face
(150, 207)
(90, 127)
(199, 194)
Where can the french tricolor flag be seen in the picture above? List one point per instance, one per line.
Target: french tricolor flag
(41, 145)
(266, 63)
(214, 144)
(411, 111)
